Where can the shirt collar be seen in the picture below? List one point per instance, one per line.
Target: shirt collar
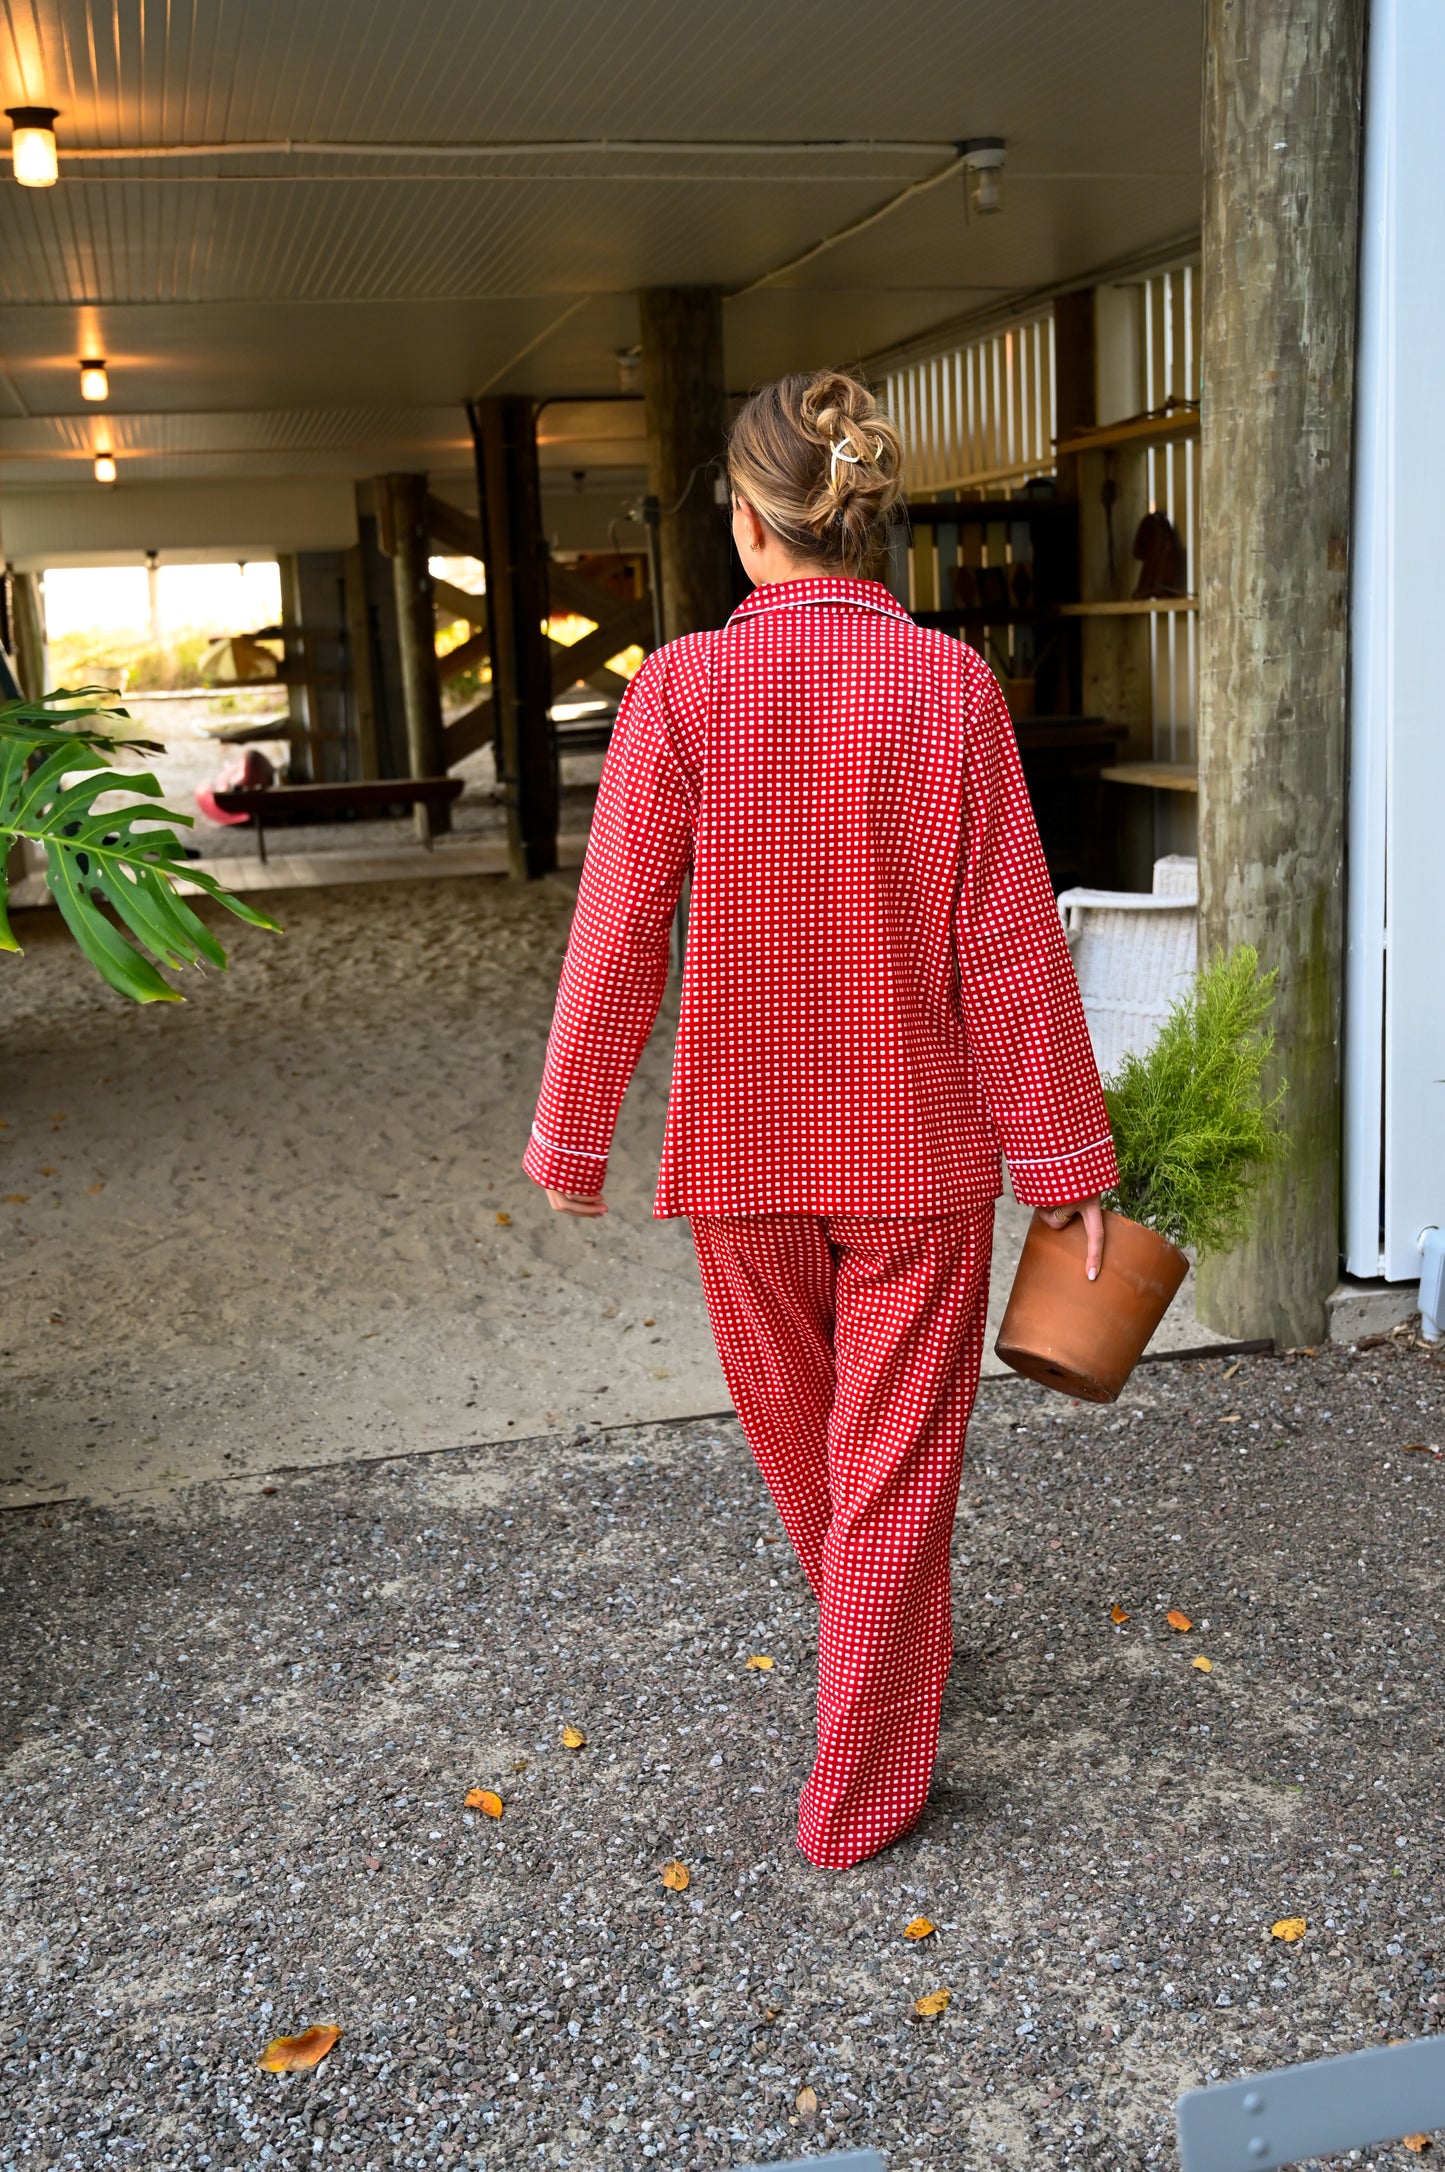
(822, 588)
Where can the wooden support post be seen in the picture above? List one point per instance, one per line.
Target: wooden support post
(363, 665)
(685, 394)
(515, 553)
(1281, 213)
(406, 532)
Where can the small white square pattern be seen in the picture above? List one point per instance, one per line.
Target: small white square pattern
(815, 763)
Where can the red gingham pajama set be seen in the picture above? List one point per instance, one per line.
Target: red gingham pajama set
(844, 1079)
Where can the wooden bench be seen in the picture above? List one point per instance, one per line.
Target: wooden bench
(273, 802)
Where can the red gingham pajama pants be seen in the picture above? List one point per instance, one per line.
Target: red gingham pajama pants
(852, 1345)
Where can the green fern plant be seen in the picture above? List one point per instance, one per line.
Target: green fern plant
(94, 860)
(1192, 1133)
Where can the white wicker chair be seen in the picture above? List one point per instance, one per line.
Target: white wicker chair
(1134, 953)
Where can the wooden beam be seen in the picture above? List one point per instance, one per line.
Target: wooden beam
(634, 623)
(457, 532)
(406, 524)
(363, 680)
(515, 555)
(1282, 92)
(465, 733)
(685, 393)
(460, 602)
(463, 656)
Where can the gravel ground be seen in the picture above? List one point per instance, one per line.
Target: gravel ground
(239, 1724)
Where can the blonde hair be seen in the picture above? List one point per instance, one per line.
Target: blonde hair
(820, 464)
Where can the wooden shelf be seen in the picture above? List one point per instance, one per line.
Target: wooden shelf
(980, 615)
(1143, 430)
(1129, 607)
(1162, 776)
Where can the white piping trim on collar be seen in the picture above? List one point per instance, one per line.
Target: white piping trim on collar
(804, 603)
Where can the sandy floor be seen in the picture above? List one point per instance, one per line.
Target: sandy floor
(286, 1223)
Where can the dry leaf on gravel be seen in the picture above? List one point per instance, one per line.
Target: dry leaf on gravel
(1289, 1928)
(1176, 1620)
(16, 1199)
(519, 1764)
(95, 1187)
(676, 1876)
(482, 1798)
(761, 1660)
(1205, 1666)
(505, 1220)
(932, 2002)
(806, 2101)
(920, 1927)
(1232, 1417)
(1416, 2142)
(573, 1738)
(293, 2054)
(1117, 1614)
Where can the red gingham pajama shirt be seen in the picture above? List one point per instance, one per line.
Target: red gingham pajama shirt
(844, 1079)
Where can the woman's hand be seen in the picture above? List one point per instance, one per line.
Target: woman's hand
(1092, 1211)
(577, 1202)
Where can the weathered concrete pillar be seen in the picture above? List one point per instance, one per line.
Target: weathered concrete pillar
(685, 394)
(1281, 213)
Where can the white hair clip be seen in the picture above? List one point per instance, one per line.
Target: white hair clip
(854, 460)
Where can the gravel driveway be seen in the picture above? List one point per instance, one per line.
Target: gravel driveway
(239, 1725)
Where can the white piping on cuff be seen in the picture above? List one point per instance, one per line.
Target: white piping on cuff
(578, 1153)
(1036, 1161)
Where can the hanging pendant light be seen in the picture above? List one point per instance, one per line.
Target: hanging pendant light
(32, 145)
(105, 467)
(94, 383)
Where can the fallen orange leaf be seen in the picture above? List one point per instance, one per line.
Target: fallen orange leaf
(1205, 1666)
(505, 1220)
(293, 2054)
(1176, 1620)
(1116, 1613)
(482, 1798)
(1407, 1448)
(1416, 2142)
(933, 2002)
(95, 1187)
(50, 1172)
(920, 1927)
(760, 1659)
(806, 2101)
(649, 1323)
(1289, 1928)
(676, 1876)
(16, 1199)
(573, 1738)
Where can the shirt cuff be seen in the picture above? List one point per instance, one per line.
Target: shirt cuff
(1055, 1180)
(558, 1171)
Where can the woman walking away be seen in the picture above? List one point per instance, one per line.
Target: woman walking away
(877, 997)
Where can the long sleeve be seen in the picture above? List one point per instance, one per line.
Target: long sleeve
(615, 969)
(1022, 1011)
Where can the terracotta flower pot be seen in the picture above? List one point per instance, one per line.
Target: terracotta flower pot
(1085, 1338)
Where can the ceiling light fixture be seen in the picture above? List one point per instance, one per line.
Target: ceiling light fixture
(105, 467)
(94, 384)
(983, 171)
(629, 368)
(32, 145)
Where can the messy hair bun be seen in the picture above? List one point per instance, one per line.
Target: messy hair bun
(820, 464)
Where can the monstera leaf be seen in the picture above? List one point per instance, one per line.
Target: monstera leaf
(54, 764)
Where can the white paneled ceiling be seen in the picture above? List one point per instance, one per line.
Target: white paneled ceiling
(303, 234)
